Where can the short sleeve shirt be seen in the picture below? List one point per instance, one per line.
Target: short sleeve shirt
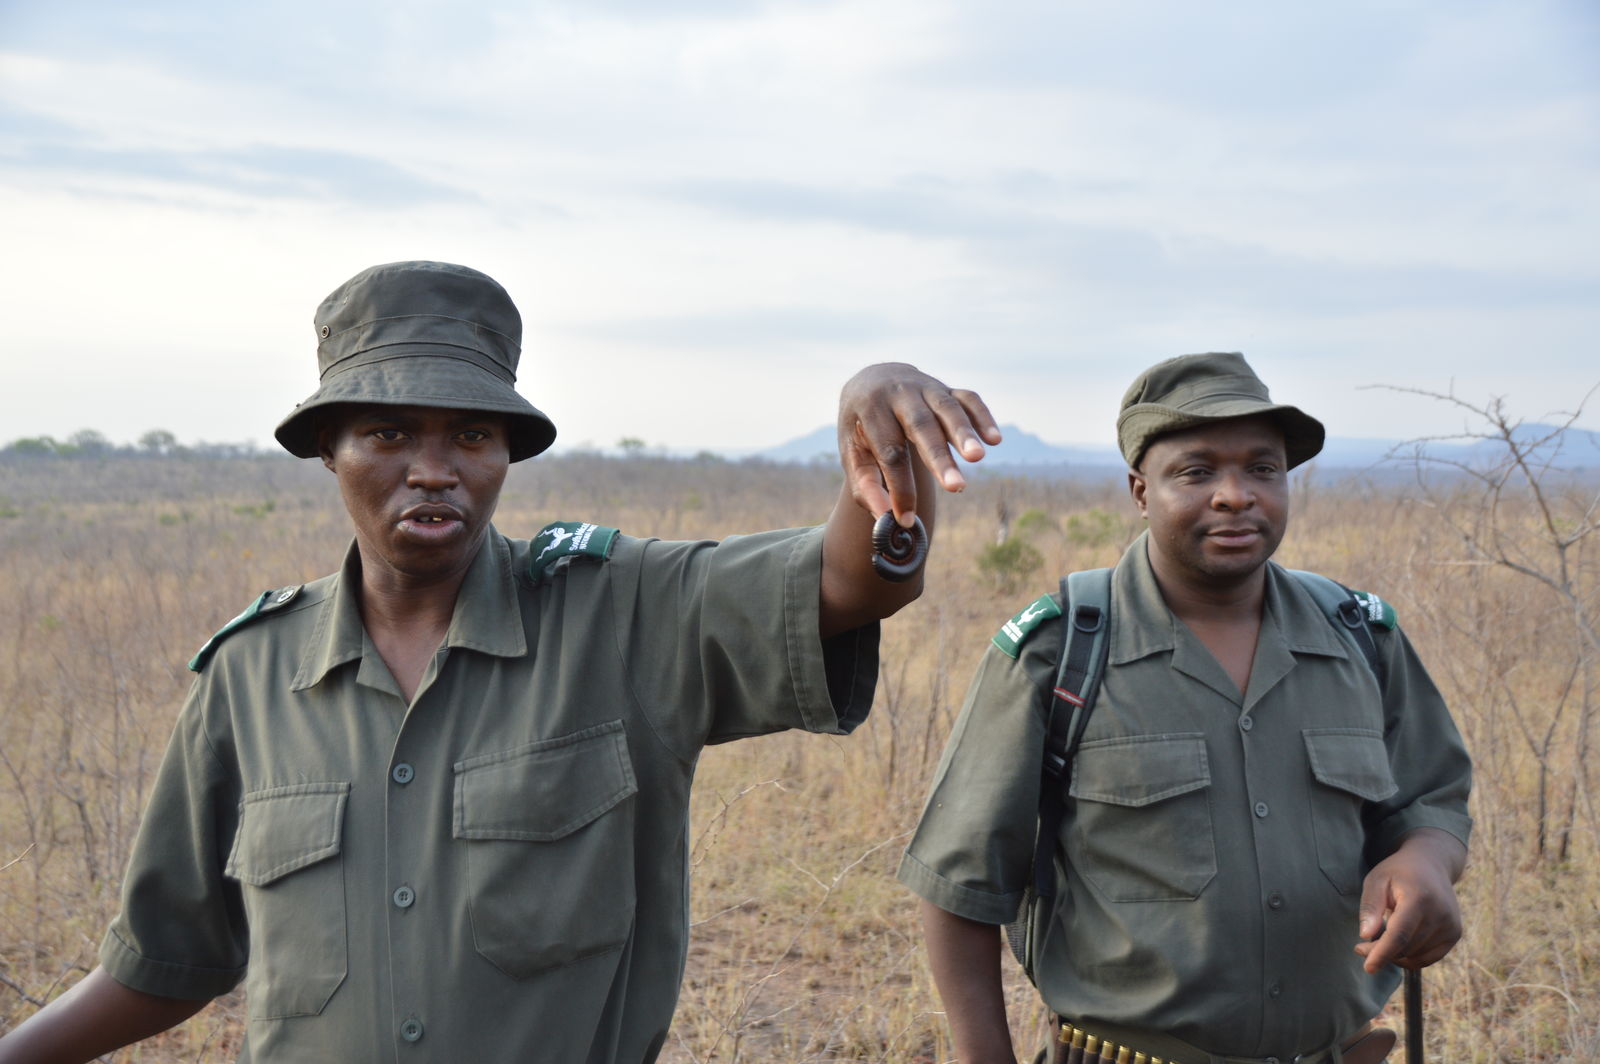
(497, 871)
(1211, 857)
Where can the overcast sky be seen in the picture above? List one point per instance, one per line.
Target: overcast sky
(712, 212)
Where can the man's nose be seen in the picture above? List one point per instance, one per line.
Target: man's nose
(1233, 492)
(432, 468)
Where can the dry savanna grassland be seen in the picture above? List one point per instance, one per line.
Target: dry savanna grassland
(804, 947)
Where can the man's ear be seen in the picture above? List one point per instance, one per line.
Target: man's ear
(1136, 488)
(327, 436)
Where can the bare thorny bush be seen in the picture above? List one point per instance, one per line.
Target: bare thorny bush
(1504, 563)
(1517, 509)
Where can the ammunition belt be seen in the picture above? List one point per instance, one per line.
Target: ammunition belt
(1101, 1043)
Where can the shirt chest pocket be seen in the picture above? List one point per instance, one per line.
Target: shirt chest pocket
(1349, 767)
(1140, 828)
(286, 856)
(547, 831)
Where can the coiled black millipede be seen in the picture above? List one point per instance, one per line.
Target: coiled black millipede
(898, 552)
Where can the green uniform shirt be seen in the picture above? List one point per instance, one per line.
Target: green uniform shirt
(497, 872)
(1211, 857)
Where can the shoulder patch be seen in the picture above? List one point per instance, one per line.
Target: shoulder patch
(1379, 613)
(566, 539)
(265, 603)
(1015, 632)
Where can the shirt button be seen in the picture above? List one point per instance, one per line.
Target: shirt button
(1275, 900)
(403, 773)
(411, 1030)
(404, 896)
(1261, 809)
(1245, 724)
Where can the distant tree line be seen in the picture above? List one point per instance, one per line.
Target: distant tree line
(159, 443)
(89, 443)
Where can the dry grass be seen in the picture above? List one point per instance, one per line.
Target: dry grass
(804, 949)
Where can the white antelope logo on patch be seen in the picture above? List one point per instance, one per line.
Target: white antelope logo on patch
(557, 537)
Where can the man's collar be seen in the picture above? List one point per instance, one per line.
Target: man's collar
(1305, 628)
(1141, 624)
(487, 617)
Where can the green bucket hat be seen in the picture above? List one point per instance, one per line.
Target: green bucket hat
(419, 334)
(1191, 390)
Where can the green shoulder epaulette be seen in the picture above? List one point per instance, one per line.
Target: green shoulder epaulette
(267, 602)
(1379, 614)
(1015, 632)
(566, 539)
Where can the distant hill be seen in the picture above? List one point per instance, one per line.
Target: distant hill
(1020, 448)
(1579, 449)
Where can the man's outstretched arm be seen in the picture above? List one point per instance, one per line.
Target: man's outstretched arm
(92, 1019)
(896, 428)
(964, 956)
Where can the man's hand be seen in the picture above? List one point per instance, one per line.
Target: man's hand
(892, 411)
(1409, 914)
(896, 424)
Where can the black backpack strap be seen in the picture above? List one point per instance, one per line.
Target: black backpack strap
(1086, 609)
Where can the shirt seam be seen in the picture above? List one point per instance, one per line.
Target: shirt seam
(129, 966)
(799, 681)
(923, 881)
(635, 566)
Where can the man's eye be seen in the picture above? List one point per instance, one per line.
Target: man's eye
(387, 435)
(474, 436)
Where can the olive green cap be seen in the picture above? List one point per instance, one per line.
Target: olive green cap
(419, 334)
(1192, 390)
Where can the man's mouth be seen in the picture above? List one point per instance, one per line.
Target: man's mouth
(431, 513)
(431, 519)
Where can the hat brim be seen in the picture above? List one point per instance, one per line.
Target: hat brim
(1144, 423)
(419, 378)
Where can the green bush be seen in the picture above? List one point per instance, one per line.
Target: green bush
(1094, 528)
(1010, 564)
(1035, 521)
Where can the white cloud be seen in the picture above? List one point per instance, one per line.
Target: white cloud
(1032, 197)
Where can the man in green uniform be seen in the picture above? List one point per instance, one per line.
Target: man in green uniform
(435, 807)
(1248, 802)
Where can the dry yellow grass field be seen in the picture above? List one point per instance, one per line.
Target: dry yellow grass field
(804, 949)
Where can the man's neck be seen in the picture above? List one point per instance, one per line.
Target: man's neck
(1225, 617)
(407, 617)
(1225, 602)
(393, 602)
